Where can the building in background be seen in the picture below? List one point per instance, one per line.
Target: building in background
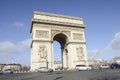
(14, 67)
(97, 62)
(116, 59)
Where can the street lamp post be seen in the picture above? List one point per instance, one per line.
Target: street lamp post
(47, 60)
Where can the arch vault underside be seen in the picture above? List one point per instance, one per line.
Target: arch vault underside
(68, 31)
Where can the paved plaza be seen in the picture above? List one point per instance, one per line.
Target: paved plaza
(107, 74)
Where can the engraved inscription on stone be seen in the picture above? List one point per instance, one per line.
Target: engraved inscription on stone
(42, 34)
(77, 36)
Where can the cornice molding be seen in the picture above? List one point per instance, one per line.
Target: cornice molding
(76, 43)
(56, 15)
(48, 18)
(39, 41)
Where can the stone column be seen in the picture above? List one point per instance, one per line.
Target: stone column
(65, 59)
(62, 50)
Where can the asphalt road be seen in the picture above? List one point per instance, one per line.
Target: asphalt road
(107, 74)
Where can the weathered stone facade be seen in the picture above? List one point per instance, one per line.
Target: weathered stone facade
(68, 31)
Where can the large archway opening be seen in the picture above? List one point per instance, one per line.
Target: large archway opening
(67, 31)
(59, 45)
(57, 54)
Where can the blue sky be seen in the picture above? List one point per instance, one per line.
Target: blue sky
(101, 17)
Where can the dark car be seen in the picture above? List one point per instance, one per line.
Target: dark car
(115, 66)
(1, 71)
(45, 69)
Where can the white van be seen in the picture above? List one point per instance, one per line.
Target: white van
(82, 67)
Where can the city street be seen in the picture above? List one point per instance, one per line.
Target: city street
(107, 74)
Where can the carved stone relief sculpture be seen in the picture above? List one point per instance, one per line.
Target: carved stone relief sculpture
(60, 31)
(42, 52)
(42, 34)
(80, 53)
(53, 32)
(77, 36)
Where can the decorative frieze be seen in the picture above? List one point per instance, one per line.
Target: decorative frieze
(58, 27)
(57, 18)
(77, 36)
(41, 34)
(67, 33)
(54, 32)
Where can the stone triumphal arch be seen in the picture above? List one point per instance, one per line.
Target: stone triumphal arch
(68, 31)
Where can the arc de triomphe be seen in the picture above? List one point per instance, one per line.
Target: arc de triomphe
(68, 31)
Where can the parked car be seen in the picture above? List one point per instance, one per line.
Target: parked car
(8, 71)
(45, 69)
(59, 68)
(104, 67)
(115, 66)
(1, 71)
(83, 67)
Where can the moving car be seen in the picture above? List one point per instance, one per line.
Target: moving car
(45, 69)
(104, 67)
(115, 66)
(83, 67)
(8, 71)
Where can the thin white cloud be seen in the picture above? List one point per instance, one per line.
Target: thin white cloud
(9, 47)
(25, 45)
(112, 49)
(9, 52)
(18, 24)
(12, 58)
(93, 54)
(115, 43)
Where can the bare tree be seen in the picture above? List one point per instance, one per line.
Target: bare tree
(25, 68)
